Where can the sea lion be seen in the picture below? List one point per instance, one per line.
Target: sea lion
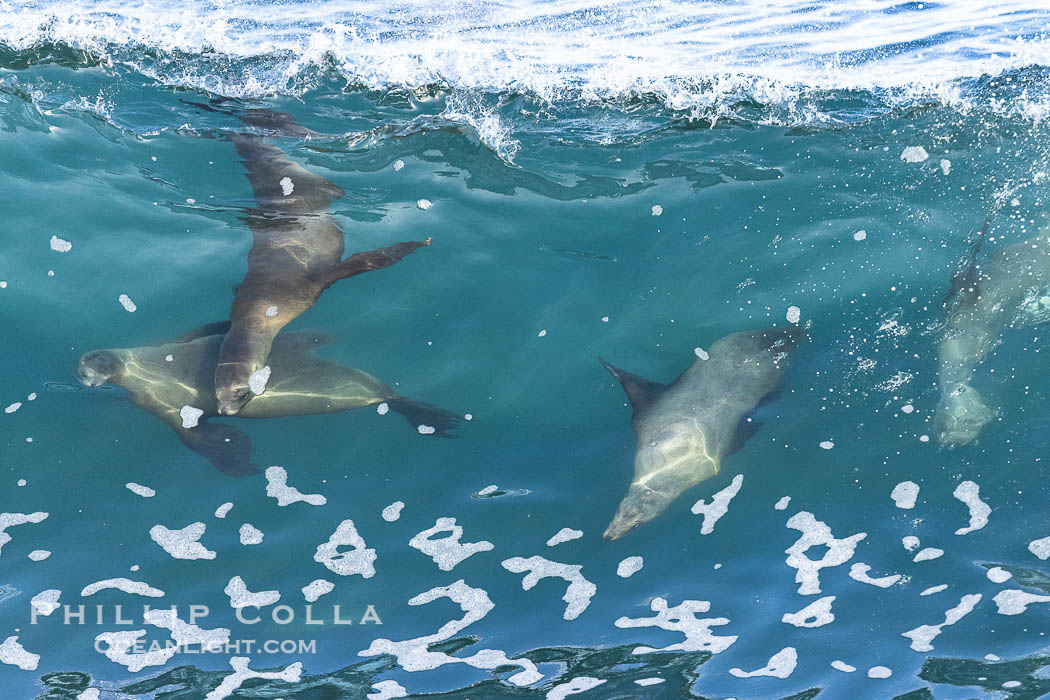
(302, 384)
(1010, 290)
(297, 253)
(685, 429)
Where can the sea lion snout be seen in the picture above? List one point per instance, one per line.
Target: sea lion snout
(232, 400)
(97, 367)
(640, 505)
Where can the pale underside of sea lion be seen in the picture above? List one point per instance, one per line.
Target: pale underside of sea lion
(1010, 289)
(685, 429)
(301, 384)
(297, 253)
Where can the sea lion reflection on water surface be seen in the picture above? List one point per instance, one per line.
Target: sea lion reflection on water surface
(685, 429)
(297, 253)
(302, 384)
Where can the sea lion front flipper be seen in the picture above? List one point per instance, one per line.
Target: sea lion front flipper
(374, 259)
(641, 392)
(217, 328)
(229, 449)
(424, 415)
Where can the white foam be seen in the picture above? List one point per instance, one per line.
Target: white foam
(46, 602)
(12, 519)
(946, 166)
(699, 352)
(360, 560)
(907, 408)
(119, 646)
(59, 245)
(718, 507)
(928, 553)
(39, 554)
(277, 487)
(914, 154)
(934, 589)
(14, 654)
(904, 494)
(393, 511)
(250, 535)
(317, 588)
(860, 235)
(448, 551)
(566, 534)
(910, 542)
(816, 614)
(793, 314)
(89, 694)
(13, 407)
(1040, 548)
(140, 490)
(657, 210)
(970, 493)
(414, 655)
(922, 636)
(290, 674)
(122, 584)
(575, 686)
(816, 533)
(271, 311)
(577, 596)
(781, 665)
(182, 544)
(287, 186)
(491, 488)
(859, 572)
(257, 380)
(827, 445)
(629, 567)
(842, 666)
(1013, 601)
(682, 618)
(426, 430)
(241, 597)
(542, 333)
(649, 681)
(879, 672)
(127, 303)
(424, 204)
(190, 415)
(382, 408)
(223, 510)
(997, 574)
(783, 503)
(398, 164)
(386, 690)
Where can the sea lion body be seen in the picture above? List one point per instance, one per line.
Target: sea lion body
(297, 253)
(1009, 290)
(684, 430)
(302, 384)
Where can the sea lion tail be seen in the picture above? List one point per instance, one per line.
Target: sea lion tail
(423, 415)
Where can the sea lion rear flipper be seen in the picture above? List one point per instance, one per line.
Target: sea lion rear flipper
(423, 414)
(641, 392)
(374, 259)
(229, 449)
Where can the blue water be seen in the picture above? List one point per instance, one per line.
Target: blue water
(630, 181)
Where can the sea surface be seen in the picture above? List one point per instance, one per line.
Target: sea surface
(627, 179)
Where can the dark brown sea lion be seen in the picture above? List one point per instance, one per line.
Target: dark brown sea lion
(297, 253)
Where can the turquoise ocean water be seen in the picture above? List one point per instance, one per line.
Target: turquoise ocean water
(632, 181)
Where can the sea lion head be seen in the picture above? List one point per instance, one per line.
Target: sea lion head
(98, 367)
(961, 415)
(232, 391)
(674, 460)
